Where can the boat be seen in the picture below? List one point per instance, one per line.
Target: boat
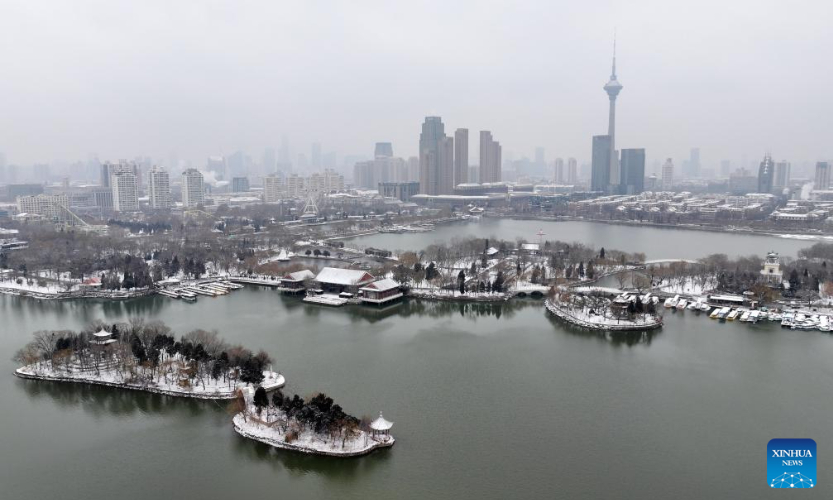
(745, 316)
(672, 302)
(754, 316)
(824, 323)
(189, 298)
(732, 315)
(724, 311)
(694, 306)
(682, 304)
(704, 307)
(787, 320)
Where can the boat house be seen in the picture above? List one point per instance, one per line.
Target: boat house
(294, 282)
(381, 292)
(343, 281)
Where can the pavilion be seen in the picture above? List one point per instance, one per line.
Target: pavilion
(381, 292)
(380, 429)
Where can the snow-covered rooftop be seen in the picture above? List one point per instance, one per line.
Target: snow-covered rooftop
(380, 424)
(299, 275)
(102, 333)
(345, 277)
(382, 285)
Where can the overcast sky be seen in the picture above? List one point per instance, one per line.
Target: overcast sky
(149, 77)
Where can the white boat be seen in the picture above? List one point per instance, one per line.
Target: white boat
(724, 311)
(732, 315)
(824, 323)
(754, 316)
(682, 304)
(704, 307)
(672, 302)
(787, 320)
(745, 315)
(714, 313)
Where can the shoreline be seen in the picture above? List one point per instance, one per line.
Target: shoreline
(238, 428)
(22, 292)
(817, 236)
(20, 373)
(632, 327)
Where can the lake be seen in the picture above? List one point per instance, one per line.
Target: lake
(489, 402)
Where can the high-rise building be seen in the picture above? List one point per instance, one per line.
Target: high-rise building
(782, 175)
(632, 178)
(270, 160)
(272, 188)
(667, 175)
(446, 165)
(383, 150)
(822, 182)
(315, 155)
(193, 189)
(217, 164)
(433, 131)
(540, 156)
(490, 158)
(612, 88)
(600, 170)
(51, 206)
(461, 156)
(692, 170)
(572, 171)
(766, 172)
(239, 184)
(560, 176)
(125, 188)
(159, 188)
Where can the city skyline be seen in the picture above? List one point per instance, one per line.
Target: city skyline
(164, 95)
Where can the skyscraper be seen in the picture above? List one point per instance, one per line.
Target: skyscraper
(667, 175)
(766, 172)
(632, 178)
(446, 166)
(822, 182)
(315, 155)
(694, 163)
(782, 175)
(159, 188)
(125, 190)
(572, 171)
(559, 174)
(490, 158)
(433, 131)
(461, 156)
(193, 190)
(539, 156)
(383, 150)
(600, 170)
(612, 87)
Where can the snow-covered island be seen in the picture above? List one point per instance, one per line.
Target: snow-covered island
(318, 426)
(597, 311)
(146, 357)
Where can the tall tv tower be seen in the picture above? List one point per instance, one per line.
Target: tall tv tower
(613, 87)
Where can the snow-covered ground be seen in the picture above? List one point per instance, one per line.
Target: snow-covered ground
(207, 389)
(583, 318)
(253, 427)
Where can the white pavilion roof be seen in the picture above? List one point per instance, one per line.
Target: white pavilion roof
(102, 333)
(346, 277)
(382, 285)
(380, 424)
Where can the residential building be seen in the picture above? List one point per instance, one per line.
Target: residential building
(782, 175)
(572, 172)
(559, 176)
(159, 188)
(239, 184)
(193, 188)
(52, 207)
(403, 191)
(383, 150)
(430, 167)
(667, 175)
(490, 158)
(461, 156)
(766, 174)
(125, 187)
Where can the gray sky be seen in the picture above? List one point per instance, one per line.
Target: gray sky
(127, 78)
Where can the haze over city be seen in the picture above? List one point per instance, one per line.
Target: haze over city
(194, 79)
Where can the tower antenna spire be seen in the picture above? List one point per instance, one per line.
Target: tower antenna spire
(613, 71)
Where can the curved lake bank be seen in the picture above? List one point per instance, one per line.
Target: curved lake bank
(655, 242)
(490, 401)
